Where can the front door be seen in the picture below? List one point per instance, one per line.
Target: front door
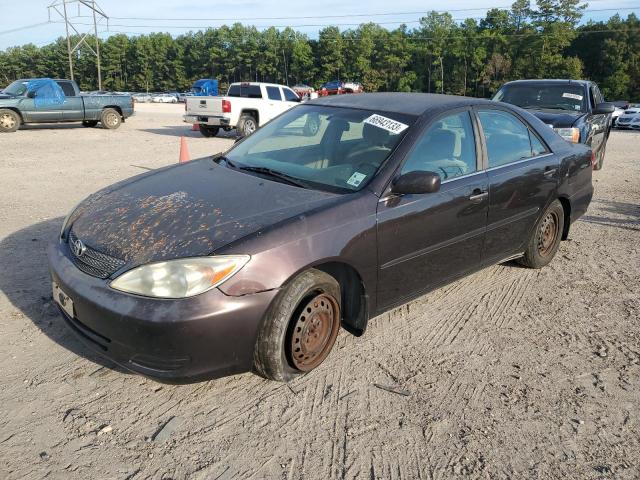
(523, 177)
(428, 239)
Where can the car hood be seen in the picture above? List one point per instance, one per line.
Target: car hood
(557, 118)
(187, 210)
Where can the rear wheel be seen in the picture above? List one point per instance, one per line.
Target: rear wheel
(89, 123)
(209, 130)
(247, 125)
(9, 120)
(546, 237)
(110, 118)
(300, 328)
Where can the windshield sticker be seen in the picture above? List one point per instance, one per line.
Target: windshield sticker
(385, 123)
(357, 178)
(572, 95)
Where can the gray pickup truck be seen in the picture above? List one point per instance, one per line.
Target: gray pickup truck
(49, 101)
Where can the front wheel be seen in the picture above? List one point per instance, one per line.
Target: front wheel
(546, 237)
(110, 118)
(300, 328)
(209, 131)
(9, 121)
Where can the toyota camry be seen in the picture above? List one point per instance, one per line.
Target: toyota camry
(332, 213)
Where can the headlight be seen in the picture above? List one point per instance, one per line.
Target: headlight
(569, 134)
(180, 278)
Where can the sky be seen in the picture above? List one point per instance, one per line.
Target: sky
(175, 17)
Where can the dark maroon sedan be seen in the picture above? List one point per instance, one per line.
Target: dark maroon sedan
(252, 260)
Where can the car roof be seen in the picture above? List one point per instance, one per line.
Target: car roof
(557, 81)
(399, 102)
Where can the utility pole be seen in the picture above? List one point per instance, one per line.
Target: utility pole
(99, 17)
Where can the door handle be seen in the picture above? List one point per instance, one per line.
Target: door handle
(478, 196)
(548, 171)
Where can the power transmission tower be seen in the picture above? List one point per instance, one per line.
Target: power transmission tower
(63, 9)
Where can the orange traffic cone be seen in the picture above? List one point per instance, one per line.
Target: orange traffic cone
(184, 151)
(195, 127)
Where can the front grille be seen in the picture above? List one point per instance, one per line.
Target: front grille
(93, 262)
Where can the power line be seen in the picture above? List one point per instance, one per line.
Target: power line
(26, 27)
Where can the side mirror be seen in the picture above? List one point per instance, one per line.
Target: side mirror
(31, 94)
(605, 107)
(416, 182)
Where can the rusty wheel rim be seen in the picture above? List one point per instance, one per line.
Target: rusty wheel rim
(7, 121)
(547, 234)
(314, 332)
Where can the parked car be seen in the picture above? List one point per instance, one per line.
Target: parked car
(182, 96)
(164, 98)
(575, 109)
(616, 114)
(48, 101)
(335, 87)
(303, 90)
(629, 119)
(205, 87)
(353, 87)
(247, 106)
(253, 259)
(141, 97)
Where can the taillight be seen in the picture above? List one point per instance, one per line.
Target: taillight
(226, 106)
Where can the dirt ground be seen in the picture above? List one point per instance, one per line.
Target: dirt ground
(508, 373)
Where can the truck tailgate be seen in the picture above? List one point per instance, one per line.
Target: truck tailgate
(204, 106)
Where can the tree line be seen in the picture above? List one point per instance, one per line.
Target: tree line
(442, 55)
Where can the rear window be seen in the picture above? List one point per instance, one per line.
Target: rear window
(68, 89)
(241, 90)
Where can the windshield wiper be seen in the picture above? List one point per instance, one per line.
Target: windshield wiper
(222, 158)
(283, 177)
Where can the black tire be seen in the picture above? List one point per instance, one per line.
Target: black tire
(279, 331)
(209, 131)
(110, 118)
(9, 120)
(247, 124)
(546, 237)
(600, 157)
(89, 123)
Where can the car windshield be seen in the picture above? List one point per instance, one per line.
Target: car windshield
(17, 88)
(327, 148)
(550, 96)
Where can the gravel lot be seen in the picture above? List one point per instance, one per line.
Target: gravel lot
(508, 373)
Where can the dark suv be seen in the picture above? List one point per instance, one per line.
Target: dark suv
(575, 109)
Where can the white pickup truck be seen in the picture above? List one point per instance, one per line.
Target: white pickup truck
(247, 106)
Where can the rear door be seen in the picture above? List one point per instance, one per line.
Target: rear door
(275, 101)
(428, 239)
(523, 179)
(73, 108)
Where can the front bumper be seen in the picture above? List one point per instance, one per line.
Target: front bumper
(206, 336)
(216, 121)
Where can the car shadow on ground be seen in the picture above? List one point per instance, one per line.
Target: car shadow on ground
(627, 215)
(185, 131)
(24, 279)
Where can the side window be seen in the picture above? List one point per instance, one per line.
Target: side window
(274, 93)
(290, 95)
(592, 98)
(447, 148)
(68, 89)
(537, 147)
(507, 137)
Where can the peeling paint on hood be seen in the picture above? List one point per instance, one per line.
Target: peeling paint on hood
(188, 210)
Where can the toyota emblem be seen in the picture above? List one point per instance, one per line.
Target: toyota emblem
(78, 248)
